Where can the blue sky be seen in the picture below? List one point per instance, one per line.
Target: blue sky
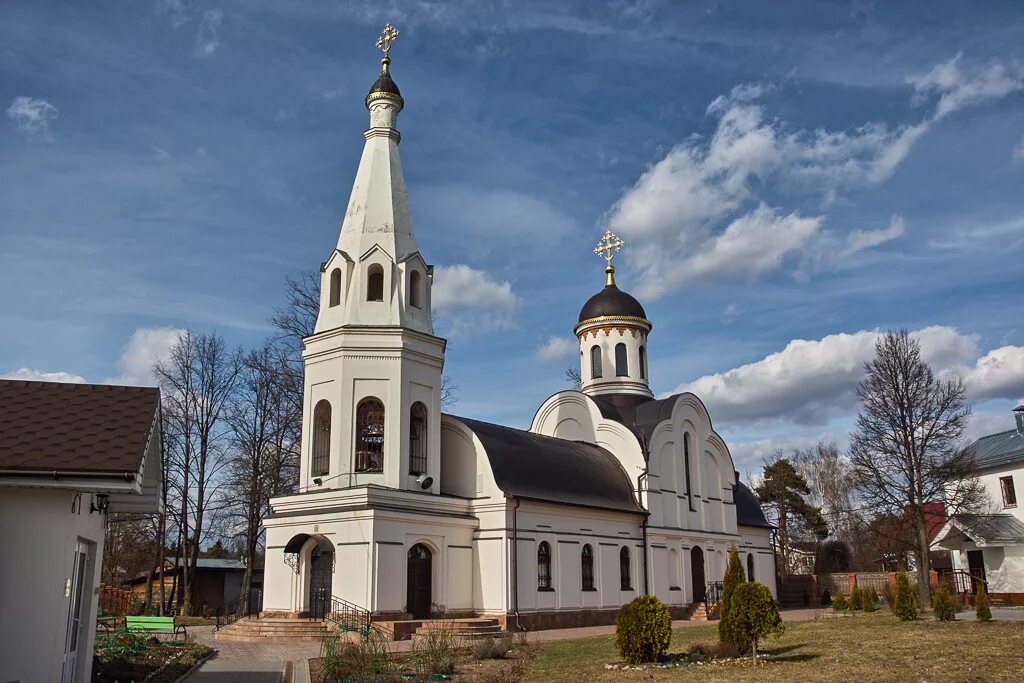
(780, 172)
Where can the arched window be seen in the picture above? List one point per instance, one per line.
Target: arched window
(625, 575)
(750, 566)
(643, 362)
(587, 567)
(375, 283)
(335, 287)
(370, 436)
(544, 566)
(417, 438)
(321, 439)
(686, 465)
(414, 289)
(621, 366)
(595, 362)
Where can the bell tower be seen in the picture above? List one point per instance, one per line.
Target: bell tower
(612, 330)
(372, 397)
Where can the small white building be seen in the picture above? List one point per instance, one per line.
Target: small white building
(406, 512)
(990, 545)
(69, 454)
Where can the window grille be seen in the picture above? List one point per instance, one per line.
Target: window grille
(587, 561)
(370, 436)
(418, 438)
(321, 439)
(544, 566)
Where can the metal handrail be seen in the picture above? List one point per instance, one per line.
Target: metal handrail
(245, 605)
(962, 581)
(712, 596)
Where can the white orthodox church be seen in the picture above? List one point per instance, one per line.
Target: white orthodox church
(407, 512)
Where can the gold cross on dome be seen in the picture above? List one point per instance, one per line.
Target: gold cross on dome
(386, 38)
(608, 244)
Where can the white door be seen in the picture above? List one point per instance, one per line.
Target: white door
(77, 614)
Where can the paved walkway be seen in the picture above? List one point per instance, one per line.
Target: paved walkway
(263, 662)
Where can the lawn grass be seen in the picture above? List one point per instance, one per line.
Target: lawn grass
(857, 649)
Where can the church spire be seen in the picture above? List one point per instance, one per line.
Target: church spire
(377, 275)
(609, 243)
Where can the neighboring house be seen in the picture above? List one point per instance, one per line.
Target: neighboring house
(217, 582)
(69, 454)
(405, 511)
(990, 546)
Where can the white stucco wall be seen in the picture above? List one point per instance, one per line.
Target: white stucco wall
(40, 533)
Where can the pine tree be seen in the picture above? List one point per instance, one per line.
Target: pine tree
(904, 606)
(942, 605)
(981, 608)
(756, 614)
(785, 491)
(734, 576)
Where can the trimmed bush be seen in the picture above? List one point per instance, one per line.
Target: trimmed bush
(756, 613)
(734, 576)
(981, 607)
(840, 604)
(643, 630)
(869, 599)
(826, 598)
(942, 605)
(855, 598)
(904, 606)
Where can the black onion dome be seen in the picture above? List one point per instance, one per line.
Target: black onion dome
(384, 84)
(612, 301)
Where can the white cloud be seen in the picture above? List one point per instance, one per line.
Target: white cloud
(208, 34)
(685, 213)
(43, 376)
(175, 11)
(859, 240)
(749, 455)
(470, 301)
(558, 348)
(1018, 151)
(957, 86)
(985, 423)
(32, 115)
(143, 349)
(813, 381)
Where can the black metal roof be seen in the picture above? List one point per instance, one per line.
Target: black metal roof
(748, 510)
(384, 84)
(611, 301)
(640, 414)
(1001, 448)
(537, 467)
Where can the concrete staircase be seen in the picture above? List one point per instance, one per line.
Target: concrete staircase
(272, 630)
(469, 628)
(698, 612)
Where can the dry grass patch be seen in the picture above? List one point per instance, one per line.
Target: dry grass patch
(863, 648)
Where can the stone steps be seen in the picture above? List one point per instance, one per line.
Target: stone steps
(271, 629)
(465, 628)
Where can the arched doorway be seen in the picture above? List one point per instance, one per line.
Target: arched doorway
(697, 574)
(321, 574)
(418, 596)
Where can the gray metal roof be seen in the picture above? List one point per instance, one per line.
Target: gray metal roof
(991, 529)
(538, 467)
(996, 450)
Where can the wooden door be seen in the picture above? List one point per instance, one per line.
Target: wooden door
(418, 596)
(976, 565)
(697, 574)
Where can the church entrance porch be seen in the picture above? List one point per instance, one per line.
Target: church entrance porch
(418, 590)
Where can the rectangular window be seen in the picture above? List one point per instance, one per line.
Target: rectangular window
(1009, 495)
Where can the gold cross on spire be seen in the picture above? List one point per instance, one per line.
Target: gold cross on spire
(609, 244)
(386, 38)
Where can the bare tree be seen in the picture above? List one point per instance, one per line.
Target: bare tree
(574, 378)
(264, 423)
(197, 380)
(830, 481)
(906, 451)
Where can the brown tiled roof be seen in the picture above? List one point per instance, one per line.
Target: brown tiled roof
(50, 426)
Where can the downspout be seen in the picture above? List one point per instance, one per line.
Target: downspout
(514, 578)
(640, 481)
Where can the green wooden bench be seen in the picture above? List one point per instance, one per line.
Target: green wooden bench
(154, 625)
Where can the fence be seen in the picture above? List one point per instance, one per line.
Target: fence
(806, 590)
(114, 600)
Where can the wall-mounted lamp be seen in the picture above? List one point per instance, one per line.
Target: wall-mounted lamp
(100, 503)
(424, 481)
